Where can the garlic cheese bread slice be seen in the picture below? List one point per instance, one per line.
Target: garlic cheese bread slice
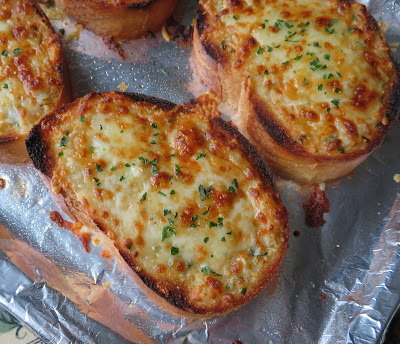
(314, 81)
(32, 70)
(182, 195)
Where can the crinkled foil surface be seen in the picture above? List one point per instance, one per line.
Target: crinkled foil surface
(337, 284)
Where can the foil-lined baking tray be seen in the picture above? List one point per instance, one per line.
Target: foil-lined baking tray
(337, 284)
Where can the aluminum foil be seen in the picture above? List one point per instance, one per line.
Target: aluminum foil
(337, 284)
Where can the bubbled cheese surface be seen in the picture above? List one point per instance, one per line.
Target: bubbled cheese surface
(319, 67)
(188, 206)
(30, 82)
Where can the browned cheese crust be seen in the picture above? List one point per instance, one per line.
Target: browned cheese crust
(314, 81)
(33, 74)
(124, 20)
(182, 195)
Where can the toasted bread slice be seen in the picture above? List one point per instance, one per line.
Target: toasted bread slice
(182, 195)
(32, 71)
(122, 19)
(315, 84)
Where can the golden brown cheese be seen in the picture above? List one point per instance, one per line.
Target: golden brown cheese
(31, 67)
(320, 73)
(178, 196)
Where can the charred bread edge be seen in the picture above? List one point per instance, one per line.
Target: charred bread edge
(64, 97)
(274, 129)
(176, 301)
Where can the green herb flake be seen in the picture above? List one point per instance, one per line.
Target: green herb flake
(127, 165)
(174, 250)
(230, 233)
(99, 168)
(320, 87)
(341, 150)
(83, 119)
(201, 155)
(167, 232)
(360, 44)
(223, 45)
(328, 110)
(206, 240)
(316, 44)
(216, 274)
(232, 189)
(165, 71)
(286, 63)
(304, 81)
(350, 30)
(63, 141)
(236, 18)
(335, 102)
(166, 212)
(305, 137)
(327, 57)
(269, 49)
(170, 120)
(143, 198)
(62, 31)
(338, 90)
(5, 53)
(260, 50)
(206, 270)
(207, 211)
(223, 239)
(5, 86)
(91, 149)
(162, 193)
(60, 154)
(243, 291)
(235, 184)
(114, 168)
(297, 58)
(153, 142)
(340, 75)
(17, 51)
(122, 179)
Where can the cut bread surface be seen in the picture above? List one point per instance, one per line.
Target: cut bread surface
(122, 19)
(314, 81)
(183, 196)
(32, 69)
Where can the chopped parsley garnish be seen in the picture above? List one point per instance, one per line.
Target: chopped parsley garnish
(201, 155)
(305, 137)
(213, 224)
(143, 197)
(354, 17)
(232, 189)
(193, 225)
(329, 31)
(62, 31)
(174, 250)
(278, 25)
(320, 87)
(328, 110)
(17, 50)
(206, 240)
(286, 63)
(206, 270)
(91, 149)
(220, 221)
(172, 192)
(122, 179)
(235, 184)
(60, 154)
(230, 233)
(341, 150)
(83, 119)
(327, 57)
(162, 193)
(350, 30)
(338, 90)
(316, 44)
(223, 46)
(5, 53)
(216, 274)
(99, 168)
(244, 290)
(207, 211)
(335, 102)
(339, 74)
(234, 17)
(154, 171)
(154, 125)
(260, 50)
(304, 81)
(156, 134)
(101, 127)
(127, 165)
(170, 120)
(298, 57)
(5, 86)
(166, 212)
(167, 232)
(310, 54)
(113, 168)
(153, 142)
(360, 44)
(63, 141)
(269, 49)
(223, 239)
(204, 192)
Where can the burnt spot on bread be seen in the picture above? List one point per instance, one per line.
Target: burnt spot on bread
(36, 146)
(139, 4)
(161, 103)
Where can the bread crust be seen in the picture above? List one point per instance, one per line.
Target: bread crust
(286, 155)
(12, 146)
(176, 300)
(123, 20)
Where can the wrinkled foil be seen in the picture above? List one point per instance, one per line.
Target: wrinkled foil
(337, 284)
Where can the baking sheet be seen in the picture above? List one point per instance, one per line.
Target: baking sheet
(337, 284)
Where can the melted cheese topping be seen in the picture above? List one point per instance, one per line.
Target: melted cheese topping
(183, 201)
(319, 66)
(30, 81)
